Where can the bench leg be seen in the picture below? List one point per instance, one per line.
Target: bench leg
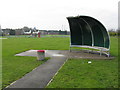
(70, 49)
(108, 53)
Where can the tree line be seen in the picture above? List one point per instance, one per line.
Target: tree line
(21, 31)
(113, 32)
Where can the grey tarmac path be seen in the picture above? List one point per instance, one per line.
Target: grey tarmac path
(40, 77)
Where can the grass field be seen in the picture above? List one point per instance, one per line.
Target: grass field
(77, 73)
(15, 67)
(73, 73)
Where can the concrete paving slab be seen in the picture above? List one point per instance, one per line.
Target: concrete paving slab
(48, 53)
(28, 53)
(67, 53)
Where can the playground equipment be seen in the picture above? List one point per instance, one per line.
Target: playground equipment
(87, 32)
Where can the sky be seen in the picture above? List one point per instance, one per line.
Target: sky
(51, 14)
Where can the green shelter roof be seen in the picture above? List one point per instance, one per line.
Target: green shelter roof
(88, 31)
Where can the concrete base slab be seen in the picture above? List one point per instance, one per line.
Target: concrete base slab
(48, 53)
(67, 53)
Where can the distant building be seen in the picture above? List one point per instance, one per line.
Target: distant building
(54, 32)
(12, 32)
(19, 32)
(30, 31)
(6, 31)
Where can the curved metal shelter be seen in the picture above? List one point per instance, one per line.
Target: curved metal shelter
(89, 32)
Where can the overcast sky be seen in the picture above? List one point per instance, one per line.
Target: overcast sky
(51, 14)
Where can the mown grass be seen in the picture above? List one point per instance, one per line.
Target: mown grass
(14, 67)
(78, 73)
(75, 73)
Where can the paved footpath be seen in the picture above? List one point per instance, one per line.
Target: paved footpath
(40, 77)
